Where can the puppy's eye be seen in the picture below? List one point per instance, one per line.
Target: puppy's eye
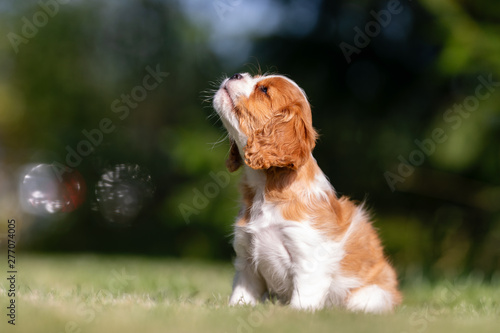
(263, 89)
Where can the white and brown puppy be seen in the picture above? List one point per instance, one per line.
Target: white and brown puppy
(294, 238)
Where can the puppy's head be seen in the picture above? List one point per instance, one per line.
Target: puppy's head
(268, 119)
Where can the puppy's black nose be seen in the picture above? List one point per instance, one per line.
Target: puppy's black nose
(236, 76)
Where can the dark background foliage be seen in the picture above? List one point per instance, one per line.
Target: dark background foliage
(156, 183)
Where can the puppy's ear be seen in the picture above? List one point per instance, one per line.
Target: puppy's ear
(234, 161)
(286, 141)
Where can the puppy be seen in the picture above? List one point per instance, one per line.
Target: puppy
(294, 239)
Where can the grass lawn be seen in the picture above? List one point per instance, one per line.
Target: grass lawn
(85, 293)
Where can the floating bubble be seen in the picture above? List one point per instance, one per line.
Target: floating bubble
(43, 191)
(122, 191)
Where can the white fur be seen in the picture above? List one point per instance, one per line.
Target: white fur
(224, 101)
(289, 259)
(370, 299)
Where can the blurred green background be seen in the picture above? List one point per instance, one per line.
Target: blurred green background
(405, 96)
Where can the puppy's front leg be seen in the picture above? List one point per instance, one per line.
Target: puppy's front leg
(248, 286)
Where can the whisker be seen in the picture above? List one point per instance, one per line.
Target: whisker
(212, 116)
(254, 67)
(219, 141)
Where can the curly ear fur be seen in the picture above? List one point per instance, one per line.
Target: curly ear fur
(285, 141)
(234, 160)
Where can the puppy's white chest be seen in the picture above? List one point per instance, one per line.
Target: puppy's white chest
(281, 251)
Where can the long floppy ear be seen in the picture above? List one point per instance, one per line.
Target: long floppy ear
(286, 141)
(234, 161)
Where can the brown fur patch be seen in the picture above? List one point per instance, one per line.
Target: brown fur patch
(277, 120)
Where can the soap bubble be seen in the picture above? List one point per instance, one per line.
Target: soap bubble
(122, 191)
(43, 191)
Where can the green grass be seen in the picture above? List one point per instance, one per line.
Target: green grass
(73, 293)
